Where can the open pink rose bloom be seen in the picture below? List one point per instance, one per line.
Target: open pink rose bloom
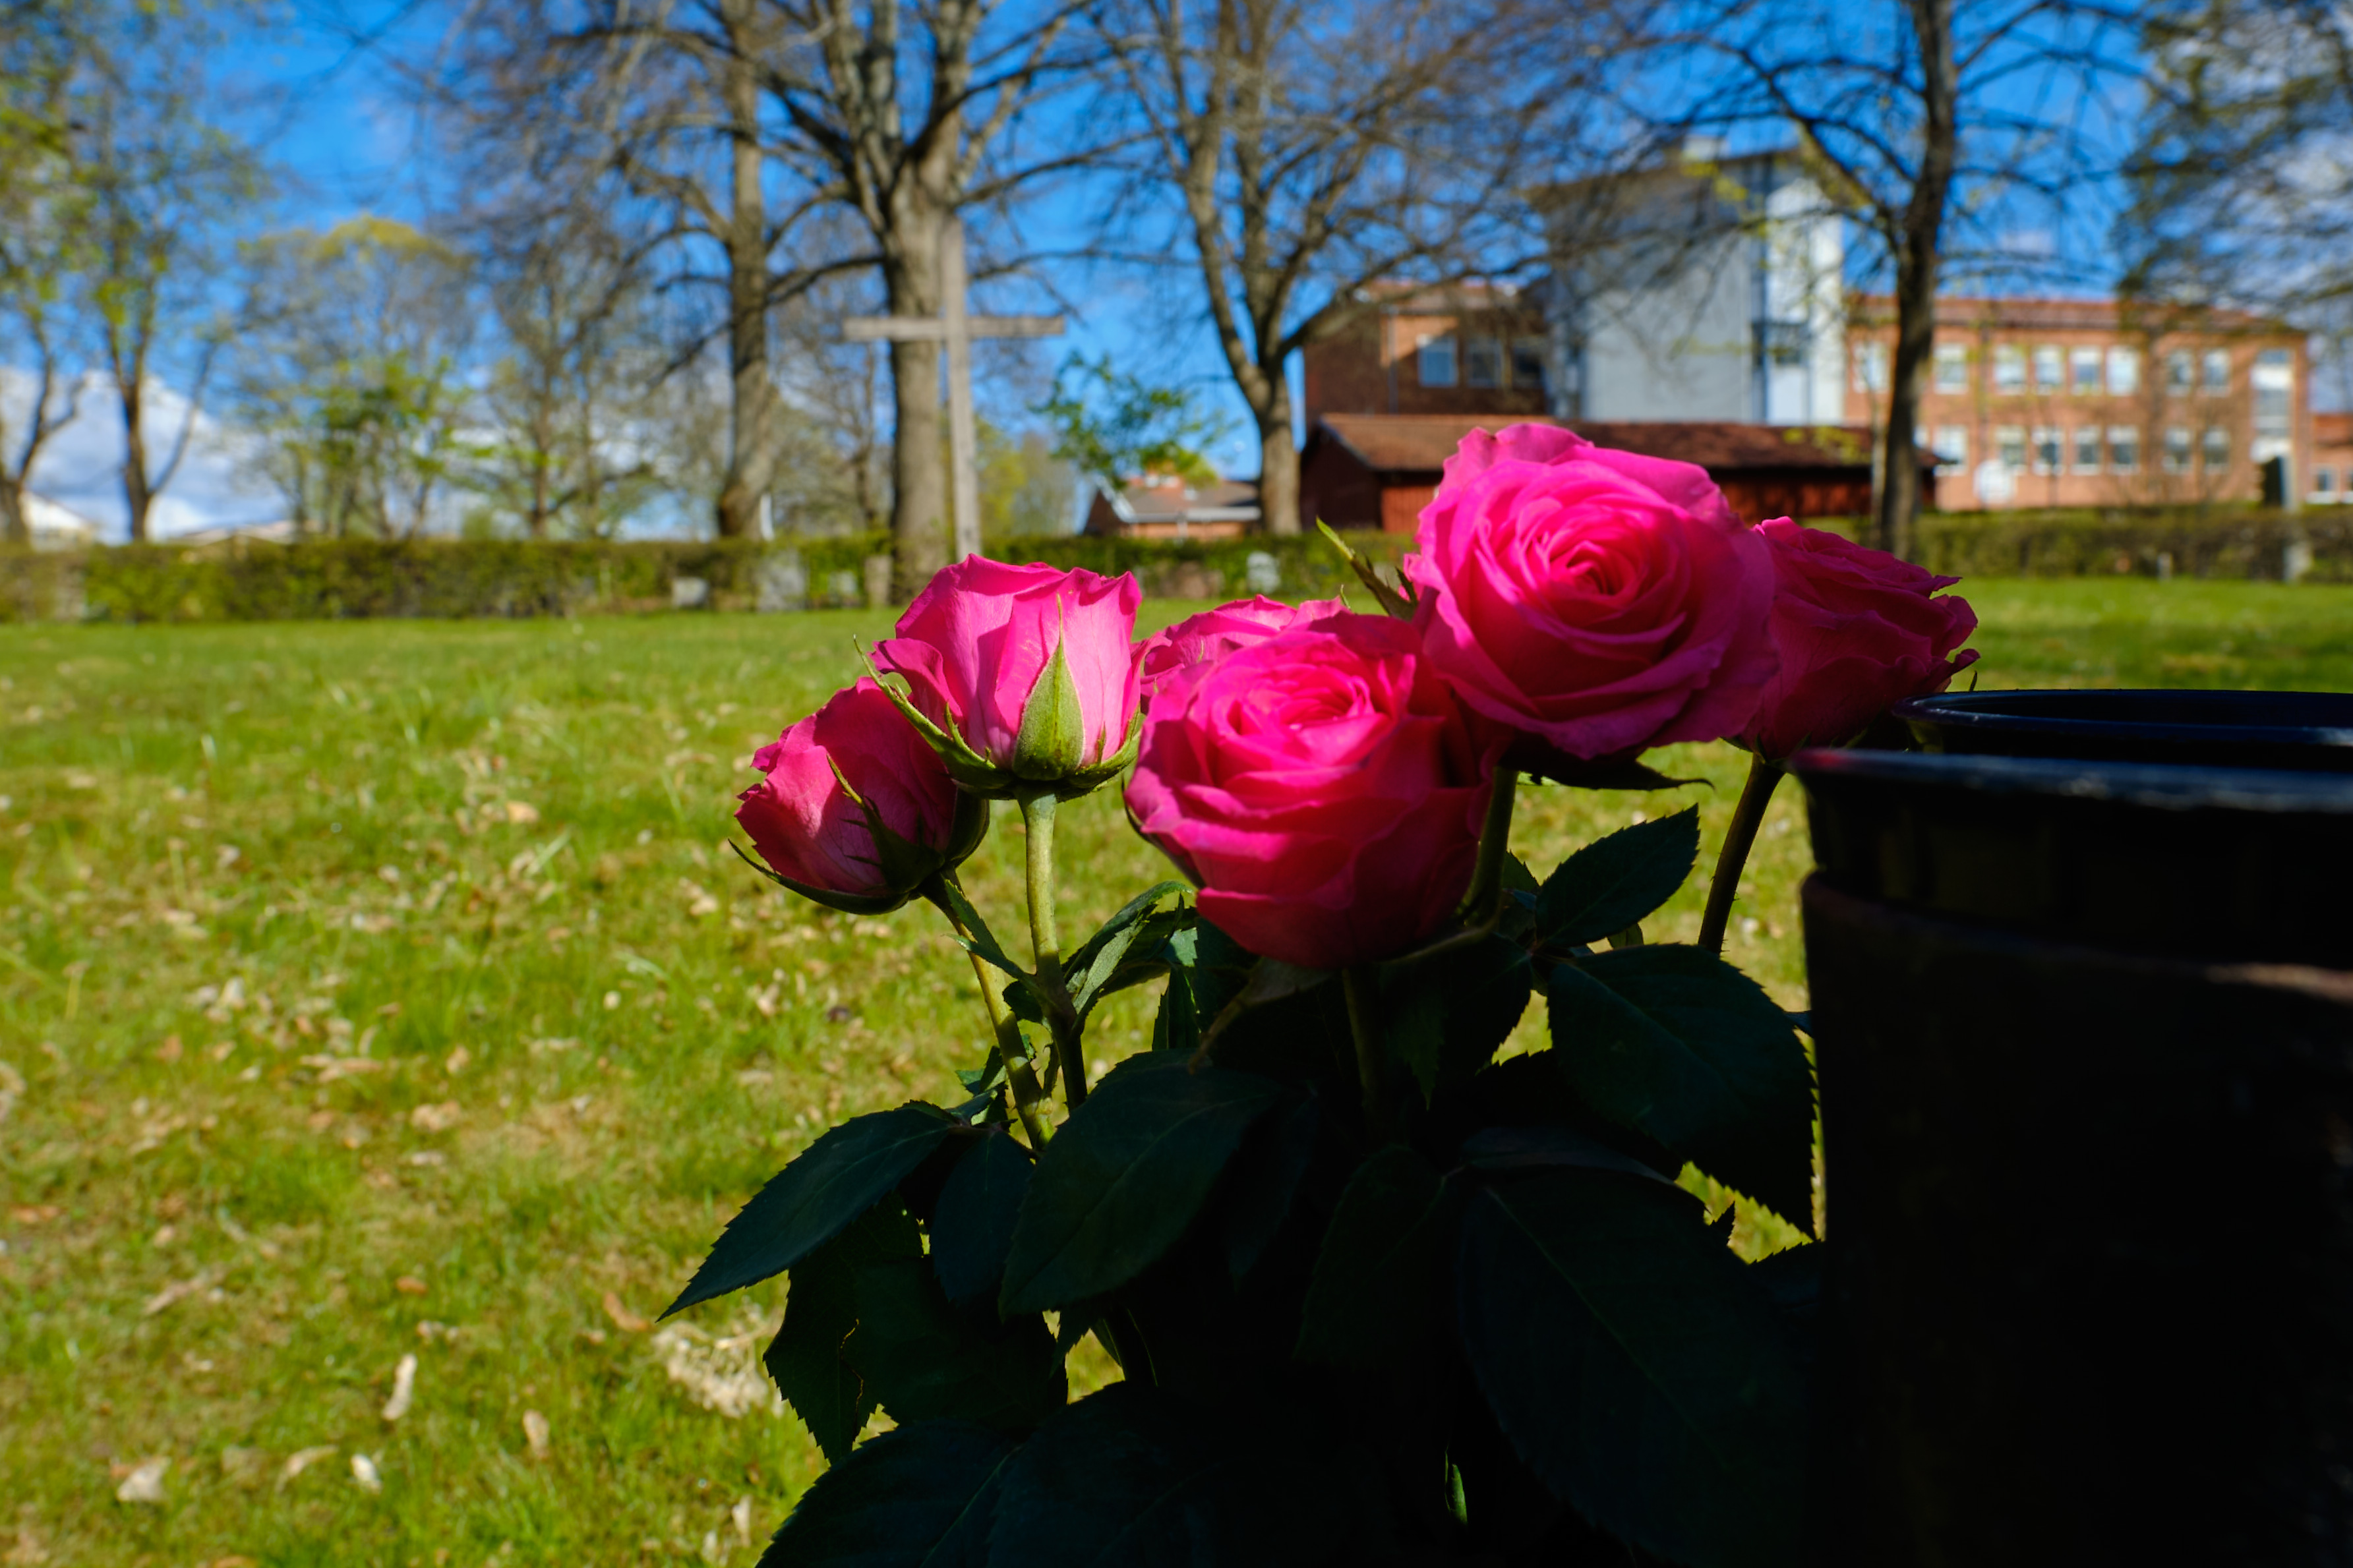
(1602, 601)
(1322, 786)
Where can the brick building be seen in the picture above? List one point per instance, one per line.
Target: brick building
(1469, 348)
(1162, 506)
(1378, 470)
(2038, 403)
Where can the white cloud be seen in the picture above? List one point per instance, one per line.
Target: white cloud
(217, 484)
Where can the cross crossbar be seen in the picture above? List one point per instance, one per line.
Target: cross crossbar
(931, 329)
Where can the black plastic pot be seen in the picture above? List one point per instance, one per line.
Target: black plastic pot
(2085, 1034)
(2304, 731)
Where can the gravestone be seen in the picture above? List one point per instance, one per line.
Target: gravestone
(1263, 572)
(690, 592)
(841, 588)
(783, 582)
(878, 580)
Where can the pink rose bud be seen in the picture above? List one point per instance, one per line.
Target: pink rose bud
(1213, 634)
(1858, 632)
(1322, 786)
(1601, 601)
(1021, 676)
(856, 810)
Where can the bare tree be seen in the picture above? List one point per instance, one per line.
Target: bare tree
(42, 211)
(1915, 112)
(1315, 153)
(2239, 187)
(909, 147)
(161, 183)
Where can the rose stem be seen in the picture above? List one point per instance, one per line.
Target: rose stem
(1486, 895)
(1357, 986)
(1738, 837)
(1046, 943)
(1019, 1073)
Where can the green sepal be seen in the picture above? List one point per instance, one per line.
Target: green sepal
(1396, 602)
(967, 766)
(1052, 743)
(1087, 780)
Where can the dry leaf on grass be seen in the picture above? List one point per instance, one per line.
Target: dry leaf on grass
(404, 1389)
(723, 1374)
(145, 1481)
(535, 1433)
(303, 1459)
(629, 1322)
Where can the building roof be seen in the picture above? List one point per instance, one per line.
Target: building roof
(1420, 442)
(2105, 315)
(1154, 500)
(2332, 429)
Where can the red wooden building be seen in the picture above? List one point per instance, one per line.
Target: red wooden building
(1378, 470)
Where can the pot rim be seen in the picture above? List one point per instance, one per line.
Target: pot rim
(2163, 786)
(2014, 709)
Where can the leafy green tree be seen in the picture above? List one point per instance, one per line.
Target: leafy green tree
(1114, 426)
(350, 373)
(42, 211)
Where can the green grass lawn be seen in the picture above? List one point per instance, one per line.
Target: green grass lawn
(375, 990)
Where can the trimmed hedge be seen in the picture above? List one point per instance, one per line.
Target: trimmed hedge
(331, 579)
(449, 578)
(2186, 543)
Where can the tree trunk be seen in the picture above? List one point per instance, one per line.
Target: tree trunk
(1917, 254)
(919, 489)
(1278, 464)
(137, 499)
(15, 533)
(751, 450)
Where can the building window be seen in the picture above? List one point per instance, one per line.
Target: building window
(2084, 371)
(2177, 450)
(2216, 364)
(1528, 363)
(2324, 482)
(2008, 368)
(2047, 364)
(2123, 449)
(2217, 448)
(2123, 371)
(2179, 373)
(2010, 445)
(1871, 367)
(2274, 382)
(1952, 445)
(1434, 361)
(1952, 367)
(2087, 450)
(2046, 449)
(1483, 362)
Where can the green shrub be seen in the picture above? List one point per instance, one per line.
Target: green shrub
(465, 578)
(2244, 542)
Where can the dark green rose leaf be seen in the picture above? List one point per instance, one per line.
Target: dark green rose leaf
(1538, 1148)
(1679, 1044)
(924, 1360)
(1634, 1366)
(1376, 1287)
(839, 1177)
(1263, 1185)
(804, 1358)
(1446, 1015)
(1125, 1176)
(921, 1497)
(972, 1225)
(1130, 1477)
(1616, 881)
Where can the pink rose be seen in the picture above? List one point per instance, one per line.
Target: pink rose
(855, 810)
(1321, 786)
(1601, 601)
(1858, 633)
(1021, 673)
(1213, 634)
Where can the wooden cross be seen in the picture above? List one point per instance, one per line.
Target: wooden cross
(953, 327)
